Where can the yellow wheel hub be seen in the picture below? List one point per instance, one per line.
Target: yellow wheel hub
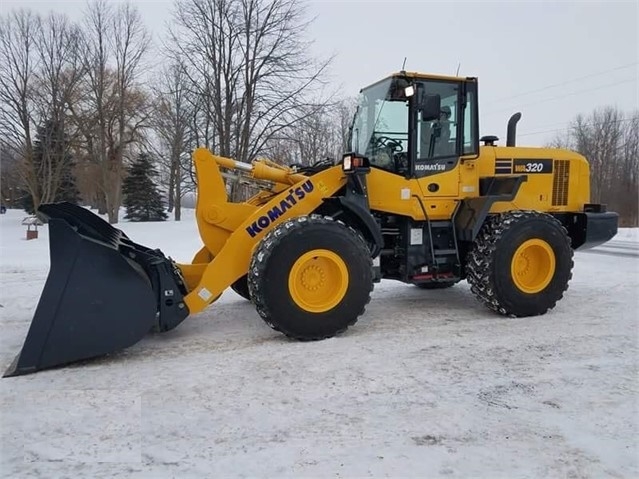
(318, 280)
(533, 266)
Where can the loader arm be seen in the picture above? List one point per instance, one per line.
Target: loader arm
(230, 231)
(217, 217)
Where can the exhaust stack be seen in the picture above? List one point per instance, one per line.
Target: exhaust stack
(511, 134)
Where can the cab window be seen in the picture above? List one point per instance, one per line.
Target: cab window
(438, 138)
(470, 125)
(380, 126)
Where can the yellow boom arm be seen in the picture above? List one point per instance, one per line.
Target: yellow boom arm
(230, 231)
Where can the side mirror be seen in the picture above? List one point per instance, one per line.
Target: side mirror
(430, 106)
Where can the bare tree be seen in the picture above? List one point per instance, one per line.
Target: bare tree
(321, 134)
(112, 109)
(345, 113)
(562, 140)
(172, 123)
(315, 136)
(247, 60)
(11, 183)
(600, 138)
(38, 74)
(18, 62)
(130, 42)
(57, 78)
(628, 173)
(610, 141)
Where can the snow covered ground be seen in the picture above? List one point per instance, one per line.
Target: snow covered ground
(426, 384)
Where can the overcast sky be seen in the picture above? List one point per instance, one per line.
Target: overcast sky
(549, 60)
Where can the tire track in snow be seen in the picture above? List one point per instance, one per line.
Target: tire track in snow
(626, 249)
(611, 253)
(631, 247)
(623, 242)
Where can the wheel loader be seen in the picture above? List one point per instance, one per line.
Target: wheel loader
(419, 198)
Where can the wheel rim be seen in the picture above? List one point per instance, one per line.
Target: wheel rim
(318, 280)
(533, 266)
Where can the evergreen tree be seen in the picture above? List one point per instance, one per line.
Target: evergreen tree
(54, 165)
(68, 191)
(142, 198)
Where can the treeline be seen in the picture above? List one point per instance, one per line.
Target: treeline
(609, 139)
(81, 101)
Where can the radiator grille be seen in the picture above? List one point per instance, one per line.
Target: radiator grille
(560, 182)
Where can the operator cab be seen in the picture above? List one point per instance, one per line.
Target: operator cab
(416, 125)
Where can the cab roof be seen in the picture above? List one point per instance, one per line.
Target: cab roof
(422, 76)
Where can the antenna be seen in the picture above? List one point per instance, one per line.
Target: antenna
(457, 73)
(404, 64)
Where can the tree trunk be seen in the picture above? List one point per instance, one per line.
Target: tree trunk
(100, 202)
(172, 185)
(178, 201)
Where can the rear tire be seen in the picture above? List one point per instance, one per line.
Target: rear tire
(521, 263)
(311, 278)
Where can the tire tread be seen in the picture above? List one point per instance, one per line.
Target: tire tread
(482, 256)
(259, 262)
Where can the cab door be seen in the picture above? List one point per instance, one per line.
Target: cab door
(439, 143)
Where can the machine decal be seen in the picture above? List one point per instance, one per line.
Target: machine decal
(434, 166)
(205, 294)
(503, 166)
(278, 210)
(508, 166)
(533, 165)
(430, 167)
(322, 187)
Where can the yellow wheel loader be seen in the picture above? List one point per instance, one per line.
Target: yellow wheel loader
(416, 199)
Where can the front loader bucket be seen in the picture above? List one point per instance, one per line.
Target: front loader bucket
(103, 293)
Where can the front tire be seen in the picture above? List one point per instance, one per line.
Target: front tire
(521, 263)
(311, 278)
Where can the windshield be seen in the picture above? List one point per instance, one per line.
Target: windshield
(380, 126)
